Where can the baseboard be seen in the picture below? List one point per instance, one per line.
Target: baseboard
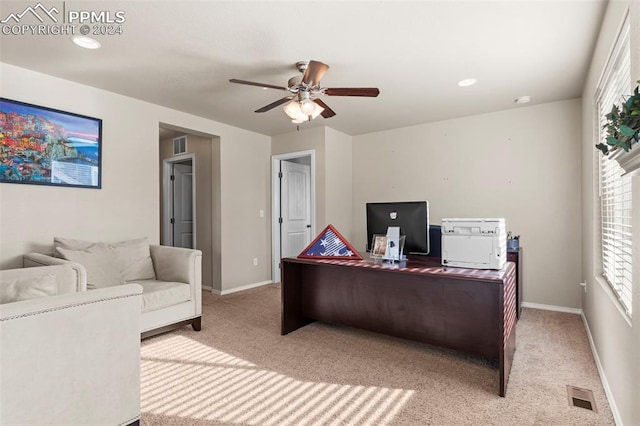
(576, 311)
(207, 288)
(244, 287)
(603, 378)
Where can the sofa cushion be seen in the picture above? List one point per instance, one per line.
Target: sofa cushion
(100, 263)
(134, 259)
(161, 294)
(69, 244)
(17, 289)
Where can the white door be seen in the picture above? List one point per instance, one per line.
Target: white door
(295, 208)
(182, 184)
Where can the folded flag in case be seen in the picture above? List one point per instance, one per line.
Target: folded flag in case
(329, 244)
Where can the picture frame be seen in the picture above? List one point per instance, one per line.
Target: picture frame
(46, 146)
(386, 248)
(379, 246)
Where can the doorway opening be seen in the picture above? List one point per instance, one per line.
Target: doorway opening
(179, 201)
(293, 205)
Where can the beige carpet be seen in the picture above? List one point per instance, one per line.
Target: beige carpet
(240, 370)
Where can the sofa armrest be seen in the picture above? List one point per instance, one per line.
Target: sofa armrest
(72, 358)
(177, 264)
(180, 265)
(31, 260)
(70, 277)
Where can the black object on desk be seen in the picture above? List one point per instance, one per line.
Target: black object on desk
(435, 241)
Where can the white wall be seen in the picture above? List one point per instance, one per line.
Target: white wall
(245, 169)
(127, 205)
(616, 339)
(339, 200)
(522, 164)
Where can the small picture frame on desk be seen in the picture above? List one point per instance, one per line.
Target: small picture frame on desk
(379, 246)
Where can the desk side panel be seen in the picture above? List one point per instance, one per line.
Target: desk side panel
(291, 296)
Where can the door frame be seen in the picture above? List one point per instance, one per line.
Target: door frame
(167, 196)
(276, 235)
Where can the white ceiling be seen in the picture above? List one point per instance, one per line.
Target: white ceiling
(182, 54)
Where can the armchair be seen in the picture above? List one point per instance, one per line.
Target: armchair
(72, 357)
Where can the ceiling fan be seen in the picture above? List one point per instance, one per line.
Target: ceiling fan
(304, 103)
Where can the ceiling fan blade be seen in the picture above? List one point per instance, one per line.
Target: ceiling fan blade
(352, 91)
(313, 74)
(253, 83)
(328, 112)
(274, 104)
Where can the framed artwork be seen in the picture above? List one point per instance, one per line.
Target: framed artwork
(45, 146)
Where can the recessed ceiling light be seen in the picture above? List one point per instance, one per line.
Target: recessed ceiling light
(467, 82)
(523, 100)
(86, 42)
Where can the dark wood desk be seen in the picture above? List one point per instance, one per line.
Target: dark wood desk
(469, 310)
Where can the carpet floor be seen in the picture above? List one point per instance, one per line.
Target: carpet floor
(239, 370)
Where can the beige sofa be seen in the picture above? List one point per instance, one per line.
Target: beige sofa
(68, 356)
(171, 277)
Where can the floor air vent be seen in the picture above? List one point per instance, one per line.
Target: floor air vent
(580, 397)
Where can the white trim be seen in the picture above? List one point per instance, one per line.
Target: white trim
(552, 308)
(607, 66)
(167, 196)
(275, 203)
(613, 297)
(244, 287)
(628, 161)
(603, 378)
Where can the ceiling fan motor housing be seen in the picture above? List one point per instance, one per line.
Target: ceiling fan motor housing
(294, 83)
(302, 66)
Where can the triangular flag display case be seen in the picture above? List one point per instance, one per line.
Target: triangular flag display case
(329, 244)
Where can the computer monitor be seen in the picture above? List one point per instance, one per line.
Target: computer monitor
(411, 216)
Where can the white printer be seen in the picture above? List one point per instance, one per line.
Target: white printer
(474, 243)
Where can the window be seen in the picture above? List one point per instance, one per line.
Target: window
(615, 189)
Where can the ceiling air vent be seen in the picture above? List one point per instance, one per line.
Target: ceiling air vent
(179, 145)
(580, 397)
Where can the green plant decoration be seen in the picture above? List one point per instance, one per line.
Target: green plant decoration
(623, 125)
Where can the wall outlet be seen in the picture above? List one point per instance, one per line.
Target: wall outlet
(255, 261)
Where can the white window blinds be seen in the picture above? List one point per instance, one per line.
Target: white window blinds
(615, 190)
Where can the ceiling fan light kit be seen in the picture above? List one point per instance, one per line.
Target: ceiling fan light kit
(298, 114)
(305, 103)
